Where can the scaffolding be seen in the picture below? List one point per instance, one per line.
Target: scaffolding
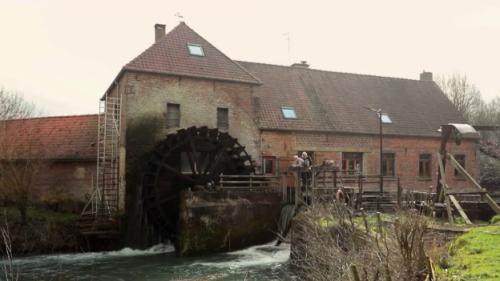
(104, 200)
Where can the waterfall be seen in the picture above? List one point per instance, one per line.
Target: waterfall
(285, 221)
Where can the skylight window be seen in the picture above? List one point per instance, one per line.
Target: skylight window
(386, 119)
(288, 112)
(196, 50)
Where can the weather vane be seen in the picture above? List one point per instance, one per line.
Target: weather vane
(179, 16)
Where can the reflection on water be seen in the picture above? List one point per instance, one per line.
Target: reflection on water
(264, 262)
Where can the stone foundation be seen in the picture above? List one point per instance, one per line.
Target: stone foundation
(218, 221)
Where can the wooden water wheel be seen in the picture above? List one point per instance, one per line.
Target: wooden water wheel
(191, 158)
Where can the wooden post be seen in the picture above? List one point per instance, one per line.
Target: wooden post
(365, 221)
(469, 178)
(360, 191)
(448, 210)
(442, 190)
(298, 187)
(430, 268)
(335, 180)
(459, 208)
(400, 191)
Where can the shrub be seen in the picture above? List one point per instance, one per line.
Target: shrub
(326, 251)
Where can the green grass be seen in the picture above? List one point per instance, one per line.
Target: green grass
(495, 219)
(475, 255)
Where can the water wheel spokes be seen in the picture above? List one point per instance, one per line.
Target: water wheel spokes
(192, 157)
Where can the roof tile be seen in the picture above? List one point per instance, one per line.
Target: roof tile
(169, 55)
(334, 101)
(55, 138)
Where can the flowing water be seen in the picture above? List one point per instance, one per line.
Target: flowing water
(263, 262)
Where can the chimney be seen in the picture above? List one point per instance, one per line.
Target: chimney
(426, 76)
(302, 64)
(159, 31)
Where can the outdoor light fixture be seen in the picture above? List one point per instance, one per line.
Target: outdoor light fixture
(380, 121)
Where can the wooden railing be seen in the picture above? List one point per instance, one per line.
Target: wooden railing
(251, 182)
(323, 183)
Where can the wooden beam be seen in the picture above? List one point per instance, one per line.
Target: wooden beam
(469, 178)
(442, 178)
(467, 191)
(448, 210)
(459, 208)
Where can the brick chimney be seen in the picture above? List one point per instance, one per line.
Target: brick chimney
(302, 64)
(426, 76)
(159, 31)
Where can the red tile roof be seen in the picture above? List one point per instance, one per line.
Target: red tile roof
(170, 55)
(55, 138)
(333, 101)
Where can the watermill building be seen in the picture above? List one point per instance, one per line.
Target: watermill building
(225, 115)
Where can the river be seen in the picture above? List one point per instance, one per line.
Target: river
(263, 262)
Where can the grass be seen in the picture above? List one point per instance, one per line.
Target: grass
(475, 256)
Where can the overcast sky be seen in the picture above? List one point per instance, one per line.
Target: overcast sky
(64, 54)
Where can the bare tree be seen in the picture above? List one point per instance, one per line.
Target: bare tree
(14, 106)
(463, 94)
(20, 160)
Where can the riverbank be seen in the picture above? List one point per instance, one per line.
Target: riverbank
(474, 255)
(44, 231)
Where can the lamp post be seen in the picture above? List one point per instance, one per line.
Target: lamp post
(379, 114)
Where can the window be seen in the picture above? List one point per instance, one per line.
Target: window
(288, 112)
(424, 166)
(269, 165)
(386, 119)
(223, 119)
(388, 164)
(461, 160)
(173, 115)
(352, 162)
(196, 50)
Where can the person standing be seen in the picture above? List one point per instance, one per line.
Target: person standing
(306, 169)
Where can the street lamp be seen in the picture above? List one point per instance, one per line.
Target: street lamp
(379, 114)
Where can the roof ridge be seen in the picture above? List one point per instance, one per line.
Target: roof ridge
(151, 46)
(53, 116)
(330, 71)
(163, 38)
(233, 61)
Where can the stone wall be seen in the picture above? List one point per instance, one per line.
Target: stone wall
(148, 94)
(225, 221)
(66, 180)
(407, 150)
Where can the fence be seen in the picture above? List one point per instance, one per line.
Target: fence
(251, 183)
(321, 183)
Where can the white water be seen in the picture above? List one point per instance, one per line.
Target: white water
(267, 254)
(82, 257)
(263, 262)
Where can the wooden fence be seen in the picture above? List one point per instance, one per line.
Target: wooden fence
(251, 183)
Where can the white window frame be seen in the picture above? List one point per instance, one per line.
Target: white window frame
(289, 109)
(191, 47)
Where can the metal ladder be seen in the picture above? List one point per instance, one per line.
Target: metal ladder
(104, 201)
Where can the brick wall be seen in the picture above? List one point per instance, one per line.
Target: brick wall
(148, 94)
(71, 179)
(406, 149)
